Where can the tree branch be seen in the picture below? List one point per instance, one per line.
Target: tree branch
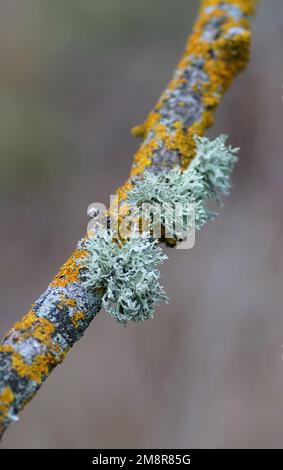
(217, 50)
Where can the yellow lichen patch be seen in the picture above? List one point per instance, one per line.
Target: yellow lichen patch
(39, 368)
(123, 190)
(236, 51)
(143, 156)
(142, 129)
(246, 6)
(69, 272)
(6, 399)
(181, 141)
(232, 55)
(70, 302)
(139, 130)
(66, 302)
(210, 101)
(76, 319)
(196, 129)
(162, 134)
(37, 327)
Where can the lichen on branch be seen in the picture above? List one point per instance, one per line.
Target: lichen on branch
(207, 178)
(127, 272)
(217, 50)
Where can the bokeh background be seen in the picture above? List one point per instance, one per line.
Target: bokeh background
(208, 370)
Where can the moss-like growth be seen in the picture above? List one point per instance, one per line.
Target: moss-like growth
(128, 273)
(206, 179)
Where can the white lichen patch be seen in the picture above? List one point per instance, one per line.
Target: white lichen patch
(127, 272)
(206, 179)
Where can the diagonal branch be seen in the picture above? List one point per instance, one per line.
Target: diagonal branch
(217, 50)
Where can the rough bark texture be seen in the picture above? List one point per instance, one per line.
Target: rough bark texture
(217, 50)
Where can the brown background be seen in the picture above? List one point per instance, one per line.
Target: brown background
(208, 370)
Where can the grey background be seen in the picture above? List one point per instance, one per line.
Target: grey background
(208, 370)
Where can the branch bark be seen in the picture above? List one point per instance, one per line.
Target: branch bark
(217, 50)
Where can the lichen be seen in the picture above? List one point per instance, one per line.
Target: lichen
(46, 354)
(6, 400)
(184, 110)
(69, 272)
(217, 50)
(206, 179)
(126, 270)
(76, 319)
(128, 273)
(215, 162)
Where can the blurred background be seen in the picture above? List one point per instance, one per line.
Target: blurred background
(208, 370)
